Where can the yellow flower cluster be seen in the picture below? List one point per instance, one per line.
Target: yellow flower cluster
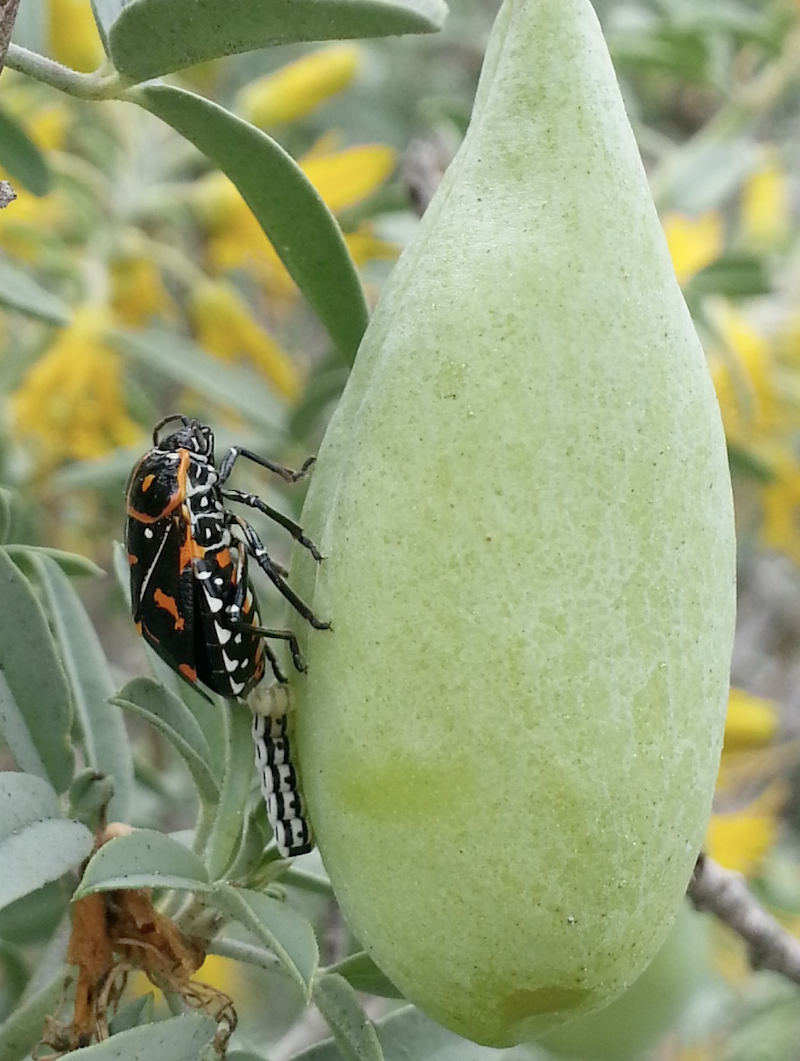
(71, 402)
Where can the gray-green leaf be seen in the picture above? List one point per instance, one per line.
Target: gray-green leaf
(352, 1029)
(285, 931)
(361, 972)
(35, 704)
(153, 37)
(24, 799)
(19, 291)
(177, 1039)
(170, 715)
(177, 358)
(288, 207)
(21, 158)
(143, 859)
(102, 726)
(40, 852)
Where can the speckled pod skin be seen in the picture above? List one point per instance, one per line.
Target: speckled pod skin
(509, 741)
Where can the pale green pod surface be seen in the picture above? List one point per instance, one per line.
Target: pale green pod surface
(509, 740)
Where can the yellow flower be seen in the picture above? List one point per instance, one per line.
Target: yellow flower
(365, 246)
(742, 369)
(70, 404)
(693, 242)
(780, 498)
(236, 240)
(751, 721)
(743, 829)
(137, 291)
(225, 326)
(28, 226)
(766, 212)
(74, 40)
(346, 178)
(739, 840)
(299, 87)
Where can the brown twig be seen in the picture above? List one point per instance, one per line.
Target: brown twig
(8, 14)
(726, 895)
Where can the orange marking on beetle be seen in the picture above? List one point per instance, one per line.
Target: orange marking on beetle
(248, 604)
(188, 672)
(170, 605)
(132, 559)
(177, 498)
(147, 482)
(223, 557)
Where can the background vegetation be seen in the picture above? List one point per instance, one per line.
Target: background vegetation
(136, 281)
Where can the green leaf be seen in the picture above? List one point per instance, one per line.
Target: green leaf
(105, 739)
(20, 1033)
(735, 275)
(352, 1029)
(182, 1038)
(40, 852)
(143, 859)
(300, 226)
(285, 931)
(6, 499)
(106, 13)
(18, 291)
(153, 37)
(170, 715)
(24, 799)
(35, 704)
(70, 563)
(223, 840)
(21, 158)
(140, 1011)
(183, 361)
(408, 1033)
(361, 972)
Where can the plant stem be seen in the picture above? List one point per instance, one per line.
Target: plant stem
(8, 13)
(244, 952)
(84, 86)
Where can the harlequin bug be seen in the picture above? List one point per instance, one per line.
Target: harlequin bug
(191, 596)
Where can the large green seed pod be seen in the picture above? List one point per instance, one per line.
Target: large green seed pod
(509, 741)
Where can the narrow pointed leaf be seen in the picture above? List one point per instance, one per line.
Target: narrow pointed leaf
(70, 563)
(24, 799)
(361, 972)
(35, 704)
(106, 13)
(18, 291)
(22, 1030)
(223, 840)
(153, 37)
(102, 726)
(352, 1029)
(182, 1038)
(21, 158)
(300, 226)
(285, 931)
(178, 358)
(6, 500)
(143, 859)
(40, 852)
(170, 715)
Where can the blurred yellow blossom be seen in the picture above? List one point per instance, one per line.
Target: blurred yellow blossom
(740, 839)
(693, 243)
(365, 246)
(137, 291)
(27, 228)
(224, 325)
(743, 370)
(237, 241)
(70, 404)
(751, 721)
(346, 178)
(765, 207)
(74, 40)
(780, 498)
(299, 87)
